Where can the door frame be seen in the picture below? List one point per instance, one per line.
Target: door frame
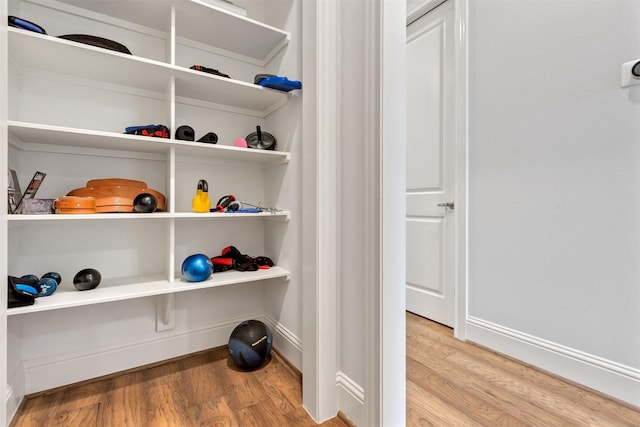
(383, 126)
(384, 300)
(461, 140)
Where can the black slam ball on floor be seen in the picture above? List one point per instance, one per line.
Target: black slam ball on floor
(250, 344)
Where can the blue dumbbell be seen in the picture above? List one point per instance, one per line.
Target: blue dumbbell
(46, 286)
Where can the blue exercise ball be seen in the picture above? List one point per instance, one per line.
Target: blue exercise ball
(197, 268)
(250, 344)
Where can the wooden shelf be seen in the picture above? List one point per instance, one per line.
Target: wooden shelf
(42, 52)
(138, 287)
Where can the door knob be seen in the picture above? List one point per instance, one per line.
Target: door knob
(448, 205)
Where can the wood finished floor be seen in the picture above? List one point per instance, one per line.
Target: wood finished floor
(453, 383)
(449, 383)
(202, 390)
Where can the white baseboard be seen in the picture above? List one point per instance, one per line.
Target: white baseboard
(605, 376)
(350, 398)
(287, 343)
(350, 394)
(12, 402)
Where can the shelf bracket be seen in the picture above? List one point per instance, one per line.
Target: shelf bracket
(165, 312)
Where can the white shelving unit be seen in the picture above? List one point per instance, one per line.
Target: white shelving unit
(31, 51)
(198, 21)
(144, 286)
(68, 105)
(42, 52)
(148, 216)
(35, 137)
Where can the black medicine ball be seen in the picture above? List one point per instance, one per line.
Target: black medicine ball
(250, 344)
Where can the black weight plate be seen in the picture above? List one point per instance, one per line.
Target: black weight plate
(97, 42)
(268, 141)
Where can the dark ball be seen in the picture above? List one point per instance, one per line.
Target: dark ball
(197, 268)
(145, 203)
(86, 279)
(53, 275)
(250, 344)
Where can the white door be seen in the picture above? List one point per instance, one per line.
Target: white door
(430, 166)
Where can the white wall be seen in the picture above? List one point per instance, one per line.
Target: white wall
(283, 301)
(554, 187)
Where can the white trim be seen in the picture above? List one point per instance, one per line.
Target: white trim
(371, 220)
(310, 303)
(461, 44)
(12, 403)
(422, 9)
(287, 343)
(327, 196)
(350, 398)
(4, 116)
(384, 298)
(617, 380)
(319, 198)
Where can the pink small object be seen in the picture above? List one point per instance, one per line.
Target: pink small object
(240, 142)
